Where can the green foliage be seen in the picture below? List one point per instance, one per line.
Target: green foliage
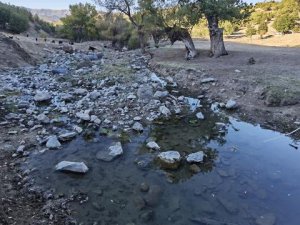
(250, 31)
(17, 23)
(262, 29)
(284, 23)
(289, 7)
(228, 27)
(201, 30)
(296, 28)
(80, 24)
(260, 17)
(133, 42)
(267, 5)
(43, 25)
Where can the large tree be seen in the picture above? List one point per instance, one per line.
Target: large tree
(215, 11)
(80, 24)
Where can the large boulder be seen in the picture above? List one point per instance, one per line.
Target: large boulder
(42, 96)
(145, 93)
(195, 157)
(53, 142)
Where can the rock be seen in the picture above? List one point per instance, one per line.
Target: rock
(144, 187)
(267, 219)
(75, 167)
(60, 70)
(195, 157)
(43, 68)
(68, 49)
(169, 159)
(53, 142)
(42, 96)
(147, 216)
(200, 116)
(78, 129)
(138, 127)
(194, 103)
(161, 94)
(43, 118)
(111, 153)
(208, 80)
(153, 145)
(231, 104)
(80, 91)
(228, 205)
(84, 64)
(194, 168)
(145, 93)
(83, 116)
(94, 95)
(156, 79)
(153, 196)
(20, 149)
(131, 97)
(144, 162)
(165, 111)
(67, 136)
(139, 202)
(95, 120)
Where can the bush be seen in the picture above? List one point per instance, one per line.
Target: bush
(284, 23)
(250, 31)
(18, 23)
(262, 29)
(133, 42)
(296, 28)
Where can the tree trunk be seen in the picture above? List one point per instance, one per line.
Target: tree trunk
(217, 47)
(141, 35)
(181, 34)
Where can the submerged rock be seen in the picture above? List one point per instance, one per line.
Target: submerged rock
(111, 153)
(200, 116)
(195, 157)
(67, 136)
(267, 219)
(53, 142)
(169, 159)
(75, 167)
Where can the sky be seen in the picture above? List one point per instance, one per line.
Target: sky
(57, 4)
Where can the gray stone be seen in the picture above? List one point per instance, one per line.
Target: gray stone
(83, 116)
(111, 153)
(53, 142)
(153, 196)
(208, 80)
(165, 111)
(231, 104)
(42, 96)
(156, 79)
(75, 167)
(153, 145)
(195, 157)
(21, 149)
(200, 116)
(67, 136)
(169, 159)
(145, 93)
(43, 118)
(138, 127)
(161, 94)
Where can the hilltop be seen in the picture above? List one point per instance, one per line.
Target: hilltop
(50, 15)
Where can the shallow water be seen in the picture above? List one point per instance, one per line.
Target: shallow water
(248, 172)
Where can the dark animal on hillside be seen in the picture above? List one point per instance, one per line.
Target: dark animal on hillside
(71, 43)
(60, 42)
(45, 40)
(11, 37)
(36, 39)
(53, 41)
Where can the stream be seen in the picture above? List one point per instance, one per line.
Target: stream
(250, 175)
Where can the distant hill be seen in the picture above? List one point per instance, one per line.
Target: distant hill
(50, 15)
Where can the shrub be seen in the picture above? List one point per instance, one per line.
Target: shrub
(262, 29)
(133, 42)
(284, 23)
(18, 23)
(250, 31)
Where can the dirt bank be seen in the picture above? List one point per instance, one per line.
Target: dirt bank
(267, 89)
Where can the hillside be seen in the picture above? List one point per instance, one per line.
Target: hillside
(50, 15)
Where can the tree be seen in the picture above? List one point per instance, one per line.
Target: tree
(130, 9)
(215, 11)
(262, 29)
(18, 23)
(284, 23)
(250, 31)
(80, 24)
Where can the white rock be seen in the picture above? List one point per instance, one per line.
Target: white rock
(153, 145)
(42, 96)
(67, 136)
(80, 91)
(156, 79)
(21, 149)
(95, 119)
(165, 111)
(200, 116)
(78, 129)
(170, 156)
(76, 167)
(131, 97)
(195, 157)
(208, 80)
(194, 103)
(138, 127)
(161, 94)
(53, 142)
(83, 116)
(111, 153)
(231, 104)
(43, 118)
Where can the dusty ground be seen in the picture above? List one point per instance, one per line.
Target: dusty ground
(273, 80)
